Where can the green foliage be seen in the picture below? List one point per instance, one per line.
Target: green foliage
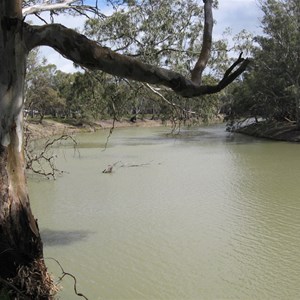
(163, 33)
(94, 95)
(42, 95)
(271, 90)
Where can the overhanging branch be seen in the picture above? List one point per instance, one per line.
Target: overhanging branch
(91, 55)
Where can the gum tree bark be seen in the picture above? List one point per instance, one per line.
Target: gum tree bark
(206, 45)
(20, 242)
(21, 250)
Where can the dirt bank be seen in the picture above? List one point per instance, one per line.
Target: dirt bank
(50, 127)
(281, 131)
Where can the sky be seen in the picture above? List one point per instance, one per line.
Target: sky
(236, 14)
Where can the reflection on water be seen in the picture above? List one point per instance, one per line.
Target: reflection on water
(206, 215)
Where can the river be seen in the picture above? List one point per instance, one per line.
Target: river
(201, 215)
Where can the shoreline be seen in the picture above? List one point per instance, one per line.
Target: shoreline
(50, 128)
(278, 131)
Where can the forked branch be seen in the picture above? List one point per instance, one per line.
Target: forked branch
(91, 55)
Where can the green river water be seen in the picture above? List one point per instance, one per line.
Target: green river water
(202, 215)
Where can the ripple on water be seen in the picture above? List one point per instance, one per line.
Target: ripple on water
(218, 218)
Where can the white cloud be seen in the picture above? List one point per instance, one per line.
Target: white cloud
(238, 15)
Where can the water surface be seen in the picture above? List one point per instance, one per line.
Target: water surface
(203, 215)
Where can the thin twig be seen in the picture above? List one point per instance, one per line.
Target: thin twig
(35, 161)
(166, 100)
(68, 274)
(110, 133)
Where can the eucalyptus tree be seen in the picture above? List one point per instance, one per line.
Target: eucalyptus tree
(280, 57)
(42, 95)
(23, 270)
(272, 89)
(97, 95)
(86, 97)
(165, 34)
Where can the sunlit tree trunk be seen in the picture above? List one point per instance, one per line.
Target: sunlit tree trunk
(20, 243)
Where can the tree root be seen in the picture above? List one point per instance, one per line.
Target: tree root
(31, 282)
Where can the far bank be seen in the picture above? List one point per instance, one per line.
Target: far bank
(280, 131)
(50, 127)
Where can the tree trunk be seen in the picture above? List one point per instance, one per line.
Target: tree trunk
(21, 250)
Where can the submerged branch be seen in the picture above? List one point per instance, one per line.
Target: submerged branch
(119, 164)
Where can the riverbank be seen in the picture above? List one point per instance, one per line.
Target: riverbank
(280, 131)
(49, 127)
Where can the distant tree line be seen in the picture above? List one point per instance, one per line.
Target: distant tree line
(269, 89)
(94, 95)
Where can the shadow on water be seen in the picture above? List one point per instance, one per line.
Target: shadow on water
(63, 237)
(212, 134)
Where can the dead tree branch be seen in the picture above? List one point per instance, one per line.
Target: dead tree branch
(119, 164)
(43, 162)
(64, 274)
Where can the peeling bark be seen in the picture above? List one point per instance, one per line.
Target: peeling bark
(20, 242)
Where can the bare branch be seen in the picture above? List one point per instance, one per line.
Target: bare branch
(230, 75)
(66, 4)
(174, 105)
(39, 17)
(64, 274)
(110, 131)
(38, 161)
(47, 7)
